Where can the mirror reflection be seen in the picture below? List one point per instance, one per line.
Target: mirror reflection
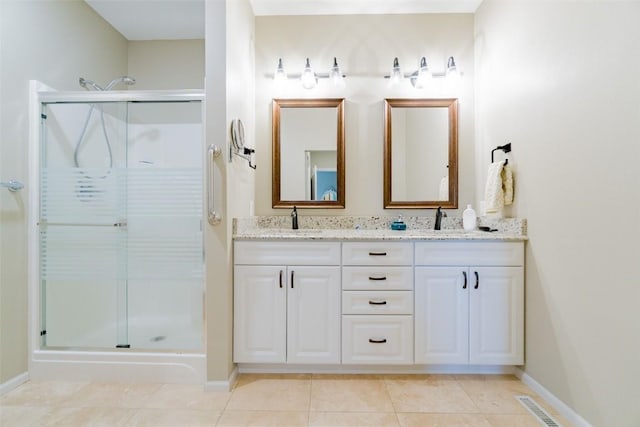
(308, 153)
(420, 153)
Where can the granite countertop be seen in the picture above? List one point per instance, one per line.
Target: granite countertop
(372, 228)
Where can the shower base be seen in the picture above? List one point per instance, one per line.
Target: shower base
(120, 367)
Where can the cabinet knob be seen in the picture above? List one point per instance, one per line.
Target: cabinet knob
(477, 280)
(377, 340)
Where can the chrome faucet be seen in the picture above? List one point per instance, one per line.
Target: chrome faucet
(439, 214)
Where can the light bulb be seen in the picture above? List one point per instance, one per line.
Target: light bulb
(396, 74)
(424, 75)
(280, 76)
(453, 76)
(308, 77)
(335, 74)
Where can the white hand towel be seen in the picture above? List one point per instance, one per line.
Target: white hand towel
(507, 183)
(499, 189)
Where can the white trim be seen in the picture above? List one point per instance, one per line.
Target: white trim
(273, 368)
(562, 408)
(13, 383)
(223, 385)
(48, 96)
(36, 88)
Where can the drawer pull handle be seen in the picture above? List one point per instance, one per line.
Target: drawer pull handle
(280, 279)
(377, 254)
(464, 273)
(377, 341)
(378, 278)
(378, 302)
(291, 279)
(477, 280)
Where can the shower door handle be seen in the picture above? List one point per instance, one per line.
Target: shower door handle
(213, 216)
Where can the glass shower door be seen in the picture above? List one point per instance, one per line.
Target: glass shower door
(165, 239)
(120, 225)
(83, 225)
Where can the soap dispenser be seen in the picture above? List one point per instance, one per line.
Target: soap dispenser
(469, 219)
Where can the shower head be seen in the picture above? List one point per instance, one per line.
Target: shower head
(84, 83)
(123, 79)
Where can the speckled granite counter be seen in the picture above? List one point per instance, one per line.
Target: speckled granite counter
(361, 228)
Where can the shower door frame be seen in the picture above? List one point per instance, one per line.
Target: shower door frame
(98, 364)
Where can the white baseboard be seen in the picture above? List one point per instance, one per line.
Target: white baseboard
(223, 385)
(13, 383)
(562, 408)
(276, 368)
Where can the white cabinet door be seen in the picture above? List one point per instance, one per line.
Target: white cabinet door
(259, 314)
(441, 315)
(496, 322)
(313, 315)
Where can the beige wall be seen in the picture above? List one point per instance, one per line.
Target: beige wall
(365, 46)
(166, 64)
(56, 43)
(560, 81)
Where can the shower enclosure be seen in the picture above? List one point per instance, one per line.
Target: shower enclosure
(120, 234)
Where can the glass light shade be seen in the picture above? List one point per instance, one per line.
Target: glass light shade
(424, 75)
(396, 74)
(280, 76)
(308, 77)
(453, 76)
(335, 75)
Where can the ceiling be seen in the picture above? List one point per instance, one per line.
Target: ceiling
(184, 19)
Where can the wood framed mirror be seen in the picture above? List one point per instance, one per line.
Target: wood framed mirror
(308, 153)
(420, 153)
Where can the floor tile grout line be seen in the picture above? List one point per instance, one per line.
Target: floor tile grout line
(310, 397)
(475, 405)
(393, 405)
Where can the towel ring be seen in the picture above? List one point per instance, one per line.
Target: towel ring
(506, 148)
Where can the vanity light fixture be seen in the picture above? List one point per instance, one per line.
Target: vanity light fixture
(308, 77)
(422, 76)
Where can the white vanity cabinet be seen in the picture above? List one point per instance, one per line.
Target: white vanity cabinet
(286, 302)
(469, 303)
(377, 303)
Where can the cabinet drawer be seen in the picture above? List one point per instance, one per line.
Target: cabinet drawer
(469, 253)
(377, 253)
(377, 340)
(377, 278)
(287, 253)
(377, 302)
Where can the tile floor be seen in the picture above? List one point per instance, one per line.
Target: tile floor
(280, 400)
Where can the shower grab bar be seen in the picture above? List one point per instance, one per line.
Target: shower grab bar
(12, 185)
(213, 217)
